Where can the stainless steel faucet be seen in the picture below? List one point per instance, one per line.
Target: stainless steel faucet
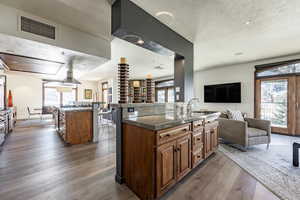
(189, 105)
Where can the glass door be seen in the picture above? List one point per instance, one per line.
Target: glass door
(277, 96)
(161, 96)
(171, 97)
(165, 95)
(274, 102)
(164, 91)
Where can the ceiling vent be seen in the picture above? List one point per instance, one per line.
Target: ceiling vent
(38, 28)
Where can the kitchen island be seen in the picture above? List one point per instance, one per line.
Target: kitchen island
(75, 125)
(159, 150)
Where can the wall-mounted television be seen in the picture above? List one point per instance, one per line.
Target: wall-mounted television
(223, 93)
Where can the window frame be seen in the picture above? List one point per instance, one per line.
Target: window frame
(164, 88)
(292, 85)
(270, 66)
(102, 91)
(60, 94)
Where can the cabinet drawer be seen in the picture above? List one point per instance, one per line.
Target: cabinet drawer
(198, 140)
(199, 131)
(167, 135)
(197, 125)
(211, 125)
(197, 157)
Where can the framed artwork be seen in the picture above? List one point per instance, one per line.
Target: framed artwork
(88, 94)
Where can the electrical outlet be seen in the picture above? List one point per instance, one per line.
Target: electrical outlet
(130, 109)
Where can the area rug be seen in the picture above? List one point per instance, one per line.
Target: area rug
(272, 167)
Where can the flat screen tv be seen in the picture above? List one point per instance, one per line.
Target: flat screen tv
(223, 93)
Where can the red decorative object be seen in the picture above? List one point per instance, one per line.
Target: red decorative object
(10, 99)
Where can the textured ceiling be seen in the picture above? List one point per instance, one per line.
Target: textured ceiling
(219, 28)
(141, 61)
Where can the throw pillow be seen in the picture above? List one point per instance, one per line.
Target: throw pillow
(235, 115)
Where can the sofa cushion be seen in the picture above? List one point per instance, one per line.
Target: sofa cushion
(223, 115)
(254, 132)
(235, 115)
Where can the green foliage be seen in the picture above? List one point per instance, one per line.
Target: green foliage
(280, 115)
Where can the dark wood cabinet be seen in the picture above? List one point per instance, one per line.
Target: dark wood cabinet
(154, 161)
(166, 166)
(197, 146)
(74, 127)
(211, 138)
(173, 162)
(214, 138)
(183, 156)
(208, 146)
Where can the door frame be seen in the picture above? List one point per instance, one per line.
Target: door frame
(164, 88)
(291, 112)
(166, 93)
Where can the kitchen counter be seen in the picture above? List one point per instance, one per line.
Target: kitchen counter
(75, 109)
(159, 122)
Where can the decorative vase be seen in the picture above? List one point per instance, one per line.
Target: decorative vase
(10, 99)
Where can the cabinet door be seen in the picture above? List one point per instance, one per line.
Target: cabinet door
(183, 156)
(166, 166)
(207, 144)
(214, 138)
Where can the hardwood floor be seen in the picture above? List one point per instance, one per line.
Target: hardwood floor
(35, 165)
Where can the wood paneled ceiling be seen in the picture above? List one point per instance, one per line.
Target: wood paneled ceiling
(31, 65)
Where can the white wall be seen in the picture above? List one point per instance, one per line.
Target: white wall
(243, 73)
(27, 91)
(67, 37)
(88, 85)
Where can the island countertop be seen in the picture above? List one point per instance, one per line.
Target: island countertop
(75, 109)
(159, 122)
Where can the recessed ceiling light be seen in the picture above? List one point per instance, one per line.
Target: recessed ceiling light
(134, 39)
(239, 53)
(164, 13)
(248, 22)
(140, 41)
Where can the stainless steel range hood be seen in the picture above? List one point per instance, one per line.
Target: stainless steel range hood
(68, 81)
(70, 77)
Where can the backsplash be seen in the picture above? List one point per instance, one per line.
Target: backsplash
(143, 109)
